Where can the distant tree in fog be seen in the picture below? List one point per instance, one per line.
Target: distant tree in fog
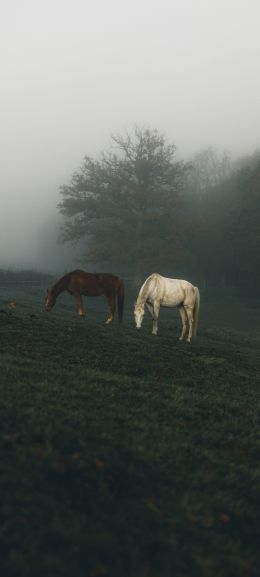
(244, 224)
(209, 168)
(227, 248)
(128, 205)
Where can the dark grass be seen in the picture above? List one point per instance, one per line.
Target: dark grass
(124, 454)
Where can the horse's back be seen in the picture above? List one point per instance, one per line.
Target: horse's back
(158, 278)
(93, 283)
(168, 291)
(109, 281)
(155, 280)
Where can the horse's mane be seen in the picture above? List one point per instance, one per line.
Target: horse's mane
(144, 291)
(63, 279)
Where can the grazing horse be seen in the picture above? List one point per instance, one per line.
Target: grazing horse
(79, 282)
(159, 291)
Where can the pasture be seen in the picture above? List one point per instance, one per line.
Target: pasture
(124, 454)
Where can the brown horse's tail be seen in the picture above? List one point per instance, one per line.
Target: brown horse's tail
(120, 300)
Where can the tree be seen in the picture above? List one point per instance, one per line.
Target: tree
(127, 205)
(244, 225)
(229, 242)
(209, 168)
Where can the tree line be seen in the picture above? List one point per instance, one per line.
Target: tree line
(137, 209)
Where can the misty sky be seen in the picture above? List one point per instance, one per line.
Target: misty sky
(75, 71)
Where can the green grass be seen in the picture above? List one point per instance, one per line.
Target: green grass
(128, 455)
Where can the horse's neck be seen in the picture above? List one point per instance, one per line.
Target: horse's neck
(59, 287)
(143, 294)
(140, 301)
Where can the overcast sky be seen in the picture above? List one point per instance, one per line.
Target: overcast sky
(75, 71)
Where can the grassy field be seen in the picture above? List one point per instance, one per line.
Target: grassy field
(125, 454)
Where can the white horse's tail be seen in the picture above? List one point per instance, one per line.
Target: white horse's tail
(196, 311)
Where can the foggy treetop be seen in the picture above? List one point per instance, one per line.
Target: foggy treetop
(75, 72)
(138, 209)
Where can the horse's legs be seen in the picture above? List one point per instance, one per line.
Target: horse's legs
(155, 313)
(184, 321)
(79, 304)
(112, 308)
(189, 311)
(150, 308)
(151, 311)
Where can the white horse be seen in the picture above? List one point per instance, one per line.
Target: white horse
(159, 291)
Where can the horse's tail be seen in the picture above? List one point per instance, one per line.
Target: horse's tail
(120, 300)
(196, 311)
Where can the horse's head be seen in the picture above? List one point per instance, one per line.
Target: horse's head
(50, 300)
(138, 314)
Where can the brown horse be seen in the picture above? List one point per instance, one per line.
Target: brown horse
(79, 282)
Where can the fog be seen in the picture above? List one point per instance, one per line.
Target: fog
(75, 71)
